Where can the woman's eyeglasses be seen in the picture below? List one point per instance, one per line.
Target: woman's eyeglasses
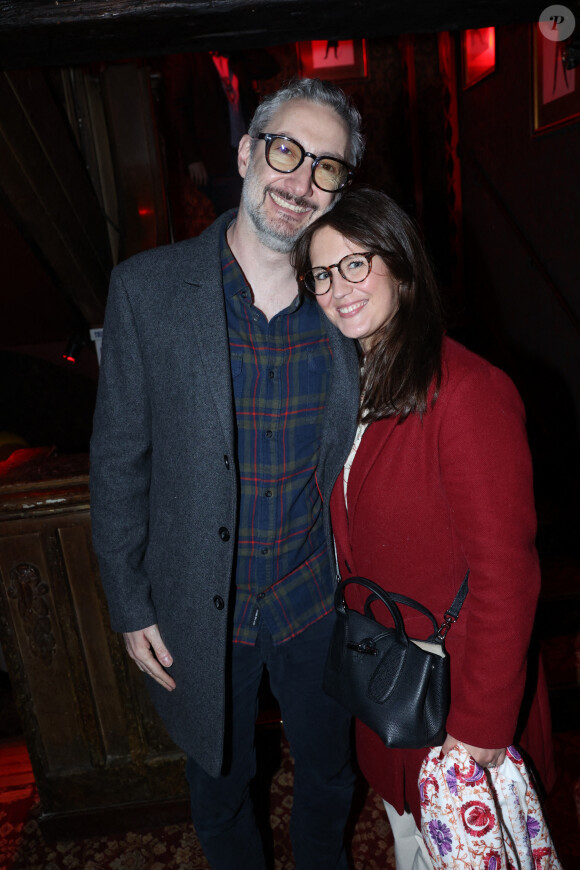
(354, 268)
(285, 155)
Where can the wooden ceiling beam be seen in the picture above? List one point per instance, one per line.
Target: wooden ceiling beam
(69, 32)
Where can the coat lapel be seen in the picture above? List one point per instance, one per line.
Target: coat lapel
(339, 424)
(340, 525)
(374, 441)
(204, 314)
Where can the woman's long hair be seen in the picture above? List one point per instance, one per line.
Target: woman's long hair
(405, 359)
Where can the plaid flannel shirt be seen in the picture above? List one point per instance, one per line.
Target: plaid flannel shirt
(280, 374)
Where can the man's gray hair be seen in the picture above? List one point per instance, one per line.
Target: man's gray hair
(317, 91)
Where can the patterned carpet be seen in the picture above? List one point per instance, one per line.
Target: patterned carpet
(22, 846)
(174, 846)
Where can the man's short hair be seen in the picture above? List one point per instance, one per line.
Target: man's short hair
(316, 91)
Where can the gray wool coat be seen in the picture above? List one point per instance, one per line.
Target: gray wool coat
(164, 487)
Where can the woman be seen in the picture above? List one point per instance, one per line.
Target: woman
(439, 481)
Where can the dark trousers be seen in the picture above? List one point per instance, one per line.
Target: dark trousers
(318, 731)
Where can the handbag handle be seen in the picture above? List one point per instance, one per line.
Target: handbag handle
(390, 600)
(402, 599)
(378, 594)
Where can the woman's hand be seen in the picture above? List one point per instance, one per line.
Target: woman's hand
(484, 757)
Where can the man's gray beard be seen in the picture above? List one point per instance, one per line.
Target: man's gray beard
(270, 236)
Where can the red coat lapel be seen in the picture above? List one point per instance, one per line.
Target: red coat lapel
(367, 454)
(370, 448)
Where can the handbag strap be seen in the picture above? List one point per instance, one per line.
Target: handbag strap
(391, 599)
(450, 615)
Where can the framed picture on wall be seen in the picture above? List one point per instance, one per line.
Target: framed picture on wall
(477, 55)
(335, 59)
(556, 90)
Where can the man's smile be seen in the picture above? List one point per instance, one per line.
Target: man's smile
(290, 203)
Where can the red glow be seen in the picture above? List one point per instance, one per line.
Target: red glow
(478, 54)
(145, 211)
(69, 358)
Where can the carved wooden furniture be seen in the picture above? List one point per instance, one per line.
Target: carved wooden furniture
(100, 755)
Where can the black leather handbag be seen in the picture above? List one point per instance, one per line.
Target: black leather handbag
(397, 685)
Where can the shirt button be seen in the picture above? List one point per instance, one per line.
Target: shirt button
(269, 433)
(268, 493)
(271, 374)
(264, 551)
(224, 534)
(255, 318)
(261, 595)
(218, 602)
(244, 294)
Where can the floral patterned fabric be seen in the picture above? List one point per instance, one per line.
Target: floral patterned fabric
(482, 819)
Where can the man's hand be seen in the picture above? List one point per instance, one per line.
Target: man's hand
(198, 173)
(484, 757)
(147, 650)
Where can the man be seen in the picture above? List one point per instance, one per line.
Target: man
(226, 408)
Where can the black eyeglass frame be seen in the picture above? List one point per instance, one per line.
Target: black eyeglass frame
(368, 255)
(269, 138)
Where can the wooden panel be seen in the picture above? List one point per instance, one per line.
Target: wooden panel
(34, 605)
(97, 641)
(87, 119)
(133, 134)
(45, 32)
(102, 759)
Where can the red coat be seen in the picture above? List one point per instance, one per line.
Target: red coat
(428, 499)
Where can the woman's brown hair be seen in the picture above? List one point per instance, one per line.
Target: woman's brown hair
(405, 359)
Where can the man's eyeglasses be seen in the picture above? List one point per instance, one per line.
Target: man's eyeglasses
(354, 268)
(285, 155)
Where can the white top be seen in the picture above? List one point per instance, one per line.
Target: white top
(360, 431)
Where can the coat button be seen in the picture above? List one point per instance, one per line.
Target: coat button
(224, 534)
(226, 461)
(218, 602)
